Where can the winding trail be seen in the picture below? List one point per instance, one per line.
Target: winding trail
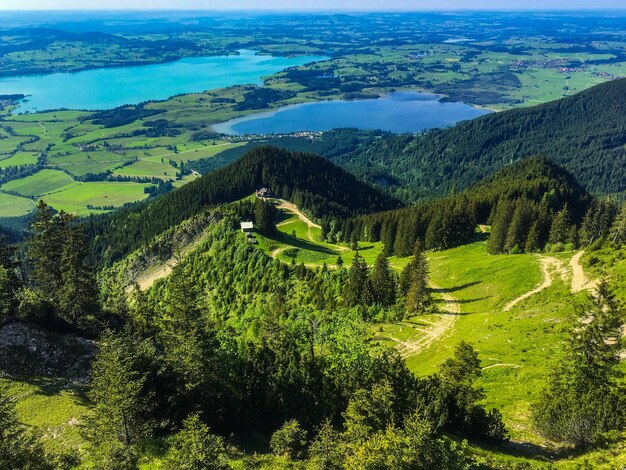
(436, 330)
(513, 366)
(548, 265)
(289, 206)
(580, 281)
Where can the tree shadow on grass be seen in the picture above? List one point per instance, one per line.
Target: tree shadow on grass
(299, 243)
(449, 290)
(51, 386)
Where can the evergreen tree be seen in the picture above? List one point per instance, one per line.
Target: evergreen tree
(561, 225)
(618, 229)
(289, 441)
(195, 448)
(78, 292)
(119, 414)
(383, 282)
(265, 215)
(518, 229)
(46, 250)
(358, 290)
(19, 447)
(414, 282)
(585, 397)
(500, 227)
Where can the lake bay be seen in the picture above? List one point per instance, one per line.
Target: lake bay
(397, 112)
(115, 86)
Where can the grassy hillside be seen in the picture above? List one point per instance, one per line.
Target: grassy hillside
(312, 182)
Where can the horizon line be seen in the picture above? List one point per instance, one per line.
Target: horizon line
(319, 10)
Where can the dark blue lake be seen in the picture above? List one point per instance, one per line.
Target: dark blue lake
(114, 86)
(398, 112)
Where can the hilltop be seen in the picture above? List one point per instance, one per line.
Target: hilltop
(313, 183)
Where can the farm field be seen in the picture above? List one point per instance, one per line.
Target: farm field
(507, 68)
(95, 197)
(43, 182)
(14, 206)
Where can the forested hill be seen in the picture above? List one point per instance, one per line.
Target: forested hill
(311, 182)
(533, 202)
(585, 133)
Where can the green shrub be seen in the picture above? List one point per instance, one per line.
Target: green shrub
(289, 441)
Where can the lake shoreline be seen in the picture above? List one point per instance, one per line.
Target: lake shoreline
(229, 127)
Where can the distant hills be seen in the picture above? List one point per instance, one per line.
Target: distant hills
(525, 198)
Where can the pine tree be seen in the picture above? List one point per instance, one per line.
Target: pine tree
(10, 282)
(584, 396)
(119, 410)
(78, 292)
(518, 228)
(561, 224)
(358, 289)
(194, 447)
(414, 282)
(19, 447)
(265, 215)
(500, 227)
(383, 282)
(618, 229)
(46, 250)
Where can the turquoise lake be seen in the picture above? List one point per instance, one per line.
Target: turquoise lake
(111, 87)
(397, 112)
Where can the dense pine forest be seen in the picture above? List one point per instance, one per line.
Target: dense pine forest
(529, 205)
(584, 133)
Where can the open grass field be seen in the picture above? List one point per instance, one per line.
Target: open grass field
(518, 347)
(14, 206)
(19, 159)
(97, 194)
(42, 182)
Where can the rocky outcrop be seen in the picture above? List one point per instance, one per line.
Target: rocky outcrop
(29, 350)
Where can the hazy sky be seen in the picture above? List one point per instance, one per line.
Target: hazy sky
(313, 4)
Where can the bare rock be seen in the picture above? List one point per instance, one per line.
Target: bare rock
(29, 350)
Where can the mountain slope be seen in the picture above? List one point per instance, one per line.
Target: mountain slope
(538, 186)
(585, 133)
(311, 182)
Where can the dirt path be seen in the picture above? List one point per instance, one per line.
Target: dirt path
(276, 253)
(548, 264)
(292, 208)
(435, 330)
(145, 281)
(580, 281)
(513, 366)
(149, 277)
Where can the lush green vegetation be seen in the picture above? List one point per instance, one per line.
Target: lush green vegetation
(583, 133)
(508, 67)
(348, 331)
(311, 182)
